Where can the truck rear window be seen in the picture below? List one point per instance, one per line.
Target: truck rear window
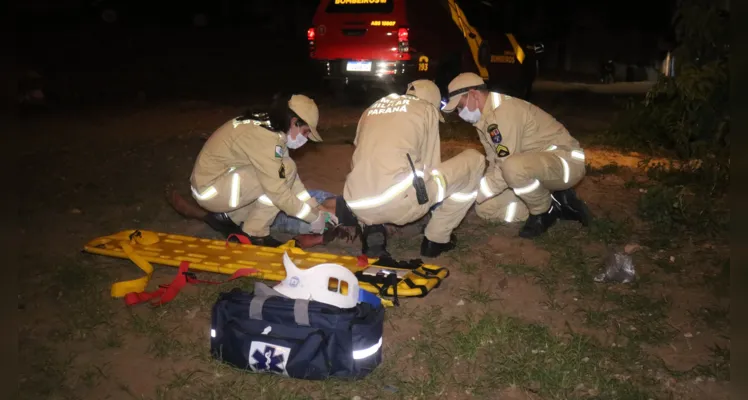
(360, 6)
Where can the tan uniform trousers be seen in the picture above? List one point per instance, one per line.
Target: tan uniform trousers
(462, 176)
(531, 178)
(252, 207)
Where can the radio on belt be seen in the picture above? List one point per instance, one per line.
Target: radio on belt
(421, 195)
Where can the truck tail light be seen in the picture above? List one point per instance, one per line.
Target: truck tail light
(402, 34)
(402, 41)
(311, 33)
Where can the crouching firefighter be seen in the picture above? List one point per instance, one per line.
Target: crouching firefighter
(244, 175)
(397, 175)
(534, 162)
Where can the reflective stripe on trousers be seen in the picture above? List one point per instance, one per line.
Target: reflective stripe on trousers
(303, 196)
(577, 154)
(386, 196)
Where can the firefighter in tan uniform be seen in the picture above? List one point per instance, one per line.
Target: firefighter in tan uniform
(397, 173)
(244, 175)
(534, 162)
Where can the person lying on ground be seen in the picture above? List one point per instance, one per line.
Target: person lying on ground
(282, 224)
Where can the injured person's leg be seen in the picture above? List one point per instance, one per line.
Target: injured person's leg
(222, 223)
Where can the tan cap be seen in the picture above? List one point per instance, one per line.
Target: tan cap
(307, 110)
(426, 90)
(459, 86)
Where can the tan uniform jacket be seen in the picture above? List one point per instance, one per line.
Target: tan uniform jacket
(388, 130)
(247, 144)
(510, 126)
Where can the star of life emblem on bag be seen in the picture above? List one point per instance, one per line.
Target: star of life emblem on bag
(266, 357)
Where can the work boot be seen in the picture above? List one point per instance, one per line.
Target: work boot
(345, 216)
(221, 222)
(434, 249)
(537, 225)
(374, 241)
(572, 208)
(265, 241)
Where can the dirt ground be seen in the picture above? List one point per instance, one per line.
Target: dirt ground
(516, 319)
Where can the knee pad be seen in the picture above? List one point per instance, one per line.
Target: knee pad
(343, 213)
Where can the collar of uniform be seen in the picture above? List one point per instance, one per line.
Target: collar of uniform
(250, 121)
(493, 101)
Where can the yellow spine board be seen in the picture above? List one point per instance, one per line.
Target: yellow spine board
(226, 258)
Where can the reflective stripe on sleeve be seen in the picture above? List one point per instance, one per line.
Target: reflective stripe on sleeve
(485, 189)
(463, 197)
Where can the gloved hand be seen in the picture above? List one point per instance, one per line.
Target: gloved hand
(319, 224)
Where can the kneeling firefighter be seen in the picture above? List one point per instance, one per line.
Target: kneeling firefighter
(397, 175)
(534, 162)
(244, 174)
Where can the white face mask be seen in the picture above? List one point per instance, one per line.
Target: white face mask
(296, 142)
(471, 117)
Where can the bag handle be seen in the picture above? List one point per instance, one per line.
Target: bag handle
(264, 292)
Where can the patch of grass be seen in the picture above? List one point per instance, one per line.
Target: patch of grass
(681, 209)
(667, 266)
(507, 352)
(608, 169)
(548, 278)
(73, 284)
(647, 317)
(595, 318)
(113, 339)
(567, 263)
(163, 341)
(609, 231)
(477, 295)
(719, 367)
(717, 318)
(92, 376)
(517, 269)
(573, 259)
(720, 283)
(633, 183)
(469, 268)
(47, 372)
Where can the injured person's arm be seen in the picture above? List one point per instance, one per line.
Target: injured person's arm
(284, 223)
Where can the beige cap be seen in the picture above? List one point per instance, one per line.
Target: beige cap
(426, 90)
(307, 110)
(459, 86)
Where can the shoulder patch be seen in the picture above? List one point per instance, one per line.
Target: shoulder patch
(278, 151)
(493, 131)
(502, 151)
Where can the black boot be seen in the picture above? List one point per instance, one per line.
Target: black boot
(537, 225)
(572, 208)
(374, 241)
(434, 249)
(345, 216)
(265, 241)
(221, 222)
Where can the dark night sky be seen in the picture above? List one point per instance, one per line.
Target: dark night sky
(631, 14)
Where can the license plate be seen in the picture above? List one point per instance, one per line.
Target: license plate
(359, 66)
